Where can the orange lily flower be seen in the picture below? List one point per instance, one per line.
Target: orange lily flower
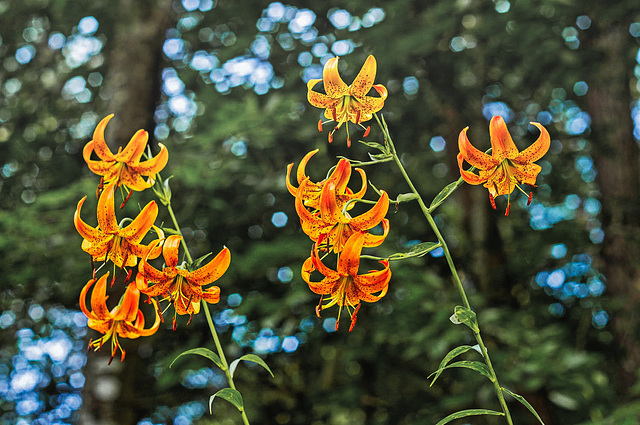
(177, 283)
(124, 168)
(334, 226)
(125, 320)
(347, 103)
(344, 286)
(340, 176)
(506, 168)
(109, 241)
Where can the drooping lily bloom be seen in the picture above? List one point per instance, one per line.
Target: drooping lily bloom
(506, 168)
(125, 320)
(344, 103)
(109, 241)
(332, 226)
(344, 286)
(176, 283)
(124, 168)
(340, 176)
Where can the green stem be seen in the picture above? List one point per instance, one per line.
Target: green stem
(456, 278)
(207, 314)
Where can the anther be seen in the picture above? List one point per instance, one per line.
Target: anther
(320, 126)
(367, 131)
(530, 198)
(126, 199)
(354, 317)
(493, 201)
(506, 213)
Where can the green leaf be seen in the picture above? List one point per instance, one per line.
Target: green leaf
(524, 402)
(376, 145)
(450, 355)
(477, 366)
(469, 412)
(444, 194)
(416, 251)
(232, 396)
(198, 261)
(381, 157)
(204, 352)
(465, 316)
(405, 197)
(249, 358)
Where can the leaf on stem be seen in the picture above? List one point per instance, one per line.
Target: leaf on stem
(450, 355)
(416, 251)
(469, 412)
(462, 315)
(406, 197)
(524, 402)
(479, 367)
(249, 358)
(380, 157)
(229, 394)
(376, 145)
(204, 352)
(444, 194)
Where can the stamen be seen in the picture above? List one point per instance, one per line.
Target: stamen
(357, 117)
(175, 326)
(506, 213)
(331, 134)
(100, 187)
(367, 131)
(126, 199)
(113, 280)
(335, 114)
(493, 201)
(126, 279)
(354, 317)
(320, 126)
(530, 198)
(319, 307)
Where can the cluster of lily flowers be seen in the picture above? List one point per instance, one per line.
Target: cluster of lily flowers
(121, 244)
(323, 206)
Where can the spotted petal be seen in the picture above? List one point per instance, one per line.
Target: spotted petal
(138, 228)
(333, 84)
(212, 271)
(349, 260)
(364, 80)
(99, 144)
(537, 149)
(472, 155)
(502, 145)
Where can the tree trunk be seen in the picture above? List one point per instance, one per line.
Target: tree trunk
(616, 156)
(113, 393)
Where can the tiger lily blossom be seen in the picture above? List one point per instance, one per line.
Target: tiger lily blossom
(109, 241)
(344, 103)
(125, 320)
(344, 286)
(176, 283)
(340, 176)
(334, 226)
(124, 168)
(506, 168)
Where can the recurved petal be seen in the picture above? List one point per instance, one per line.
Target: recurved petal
(468, 176)
(128, 308)
(106, 210)
(170, 250)
(364, 80)
(132, 153)
(371, 240)
(134, 181)
(86, 231)
(526, 173)
(333, 84)
(502, 145)
(341, 175)
(537, 149)
(211, 295)
(363, 187)
(98, 167)
(99, 144)
(301, 173)
(329, 211)
(99, 298)
(472, 155)
(374, 281)
(83, 298)
(321, 100)
(367, 106)
(374, 216)
(138, 228)
(349, 260)
(211, 271)
(291, 188)
(153, 165)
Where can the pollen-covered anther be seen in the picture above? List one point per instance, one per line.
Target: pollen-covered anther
(126, 199)
(354, 317)
(367, 131)
(493, 201)
(530, 198)
(506, 213)
(320, 126)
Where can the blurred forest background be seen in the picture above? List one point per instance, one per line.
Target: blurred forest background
(222, 85)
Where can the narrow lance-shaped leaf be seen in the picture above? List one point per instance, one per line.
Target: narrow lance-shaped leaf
(469, 412)
(204, 352)
(450, 355)
(249, 358)
(416, 251)
(524, 402)
(477, 366)
(465, 316)
(444, 194)
(232, 396)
